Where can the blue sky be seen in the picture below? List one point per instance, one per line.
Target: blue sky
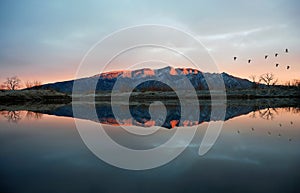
(46, 40)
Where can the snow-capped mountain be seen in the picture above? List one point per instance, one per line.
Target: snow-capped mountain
(107, 80)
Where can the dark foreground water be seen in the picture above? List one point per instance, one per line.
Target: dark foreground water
(257, 151)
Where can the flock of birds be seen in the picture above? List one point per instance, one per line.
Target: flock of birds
(266, 57)
(276, 65)
(269, 132)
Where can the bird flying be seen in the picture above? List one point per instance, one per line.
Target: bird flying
(234, 58)
(286, 50)
(277, 65)
(266, 56)
(276, 54)
(249, 61)
(288, 67)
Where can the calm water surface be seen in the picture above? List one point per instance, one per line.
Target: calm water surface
(256, 152)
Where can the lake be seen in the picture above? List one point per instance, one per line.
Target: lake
(257, 151)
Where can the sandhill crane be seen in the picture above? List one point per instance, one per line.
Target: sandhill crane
(277, 65)
(276, 54)
(288, 67)
(249, 60)
(266, 56)
(234, 58)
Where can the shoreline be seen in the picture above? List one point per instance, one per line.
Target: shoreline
(53, 97)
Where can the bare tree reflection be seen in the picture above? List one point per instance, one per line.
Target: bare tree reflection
(33, 115)
(294, 110)
(268, 113)
(253, 115)
(12, 116)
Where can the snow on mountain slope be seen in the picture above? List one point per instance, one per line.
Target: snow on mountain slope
(106, 81)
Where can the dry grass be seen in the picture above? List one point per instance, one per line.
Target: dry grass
(19, 96)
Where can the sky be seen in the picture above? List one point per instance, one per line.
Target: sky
(46, 40)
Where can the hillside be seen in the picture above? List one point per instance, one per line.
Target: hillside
(106, 81)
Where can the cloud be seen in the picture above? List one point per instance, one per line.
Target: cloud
(239, 34)
(40, 34)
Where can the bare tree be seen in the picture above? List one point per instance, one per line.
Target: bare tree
(296, 82)
(288, 83)
(275, 81)
(30, 84)
(253, 79)
(12, 83)
(268, 79)
(37, 83)
(2, 87)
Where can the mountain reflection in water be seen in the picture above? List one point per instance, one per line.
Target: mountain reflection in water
(140, 114)
(257, 151)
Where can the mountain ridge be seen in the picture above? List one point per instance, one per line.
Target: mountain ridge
(107, 80)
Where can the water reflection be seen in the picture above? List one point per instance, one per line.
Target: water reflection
(267, 113)
(147, 115)
(33, 115)
(252, 160)
(16, 116)
(11, 116)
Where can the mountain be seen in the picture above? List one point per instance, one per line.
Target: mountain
(107, 80)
